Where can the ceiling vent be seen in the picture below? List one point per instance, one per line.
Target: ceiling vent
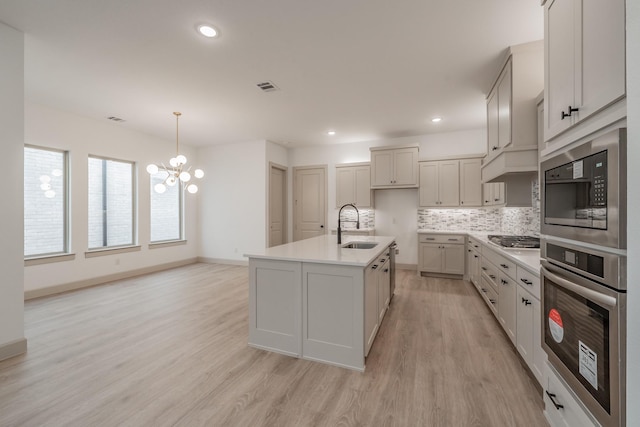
(267, 86)
(116, 119)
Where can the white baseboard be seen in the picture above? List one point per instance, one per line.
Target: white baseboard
(13, 348)
(65, 287)
(223, 261)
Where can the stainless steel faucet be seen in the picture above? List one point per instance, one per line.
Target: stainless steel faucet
(340, 212)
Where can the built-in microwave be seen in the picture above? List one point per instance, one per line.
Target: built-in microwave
(583, 192)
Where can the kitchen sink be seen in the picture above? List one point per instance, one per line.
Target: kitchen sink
(360, 245)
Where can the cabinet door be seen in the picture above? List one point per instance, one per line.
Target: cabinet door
(559, 65)
(470, 182)
(429, 184)
(507, 306)
(499, 193)
(345, 186)
(405, 166)
(601, 75)
(539, 356)
(449, 183)
(475, 268)
(430, 257)
(362, 186)
(370, 306)
(381, 168)
(504, 107)
(524, 321)
(492, 123)
(453, 259)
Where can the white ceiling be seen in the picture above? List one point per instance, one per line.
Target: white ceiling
(369, 69)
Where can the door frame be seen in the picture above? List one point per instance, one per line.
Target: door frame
(295, 192)
(285, 199)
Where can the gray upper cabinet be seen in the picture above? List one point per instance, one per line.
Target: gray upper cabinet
(353, 185)
(394, 167)
(584, 65)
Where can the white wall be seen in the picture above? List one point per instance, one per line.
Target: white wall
(11, 215)
(232, 212)
(633, 234)
(400, 205)
(81, 136)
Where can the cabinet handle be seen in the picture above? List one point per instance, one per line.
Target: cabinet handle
(386, 270)
(492, 301)
(374, 266)
(431, 238)
(526, 301)
(453, 240)
(483, 290)
(475, 246)
(468, 250)
(475, 256)
(494, 148)
(495, 200)
(552, 397)
(504, 282)
(504, 266)
(570, 110)
(484, 268)
(492, 276)
(526, 282)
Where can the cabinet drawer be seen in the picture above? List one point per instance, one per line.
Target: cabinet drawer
(489, 295)
(529, 281)
(571, 412)
(490, 274)
(441, 238)
(503, 265)
(473, 243)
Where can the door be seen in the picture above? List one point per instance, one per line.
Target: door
(404, 166)
(453, 259)
(449, 183)
(428, 184)
(470, 182)
(381, 168)
(504, 108)
(345, 186)
(277, 205)
(430, 257)
(310, 201)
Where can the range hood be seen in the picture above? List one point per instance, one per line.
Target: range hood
(516, 160)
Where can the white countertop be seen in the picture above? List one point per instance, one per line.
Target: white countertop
(527, 258)
(325, 250)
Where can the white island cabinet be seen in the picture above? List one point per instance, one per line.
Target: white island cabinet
(317, 300)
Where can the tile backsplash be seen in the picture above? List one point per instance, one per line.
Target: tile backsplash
(348, 218)
(496, 219)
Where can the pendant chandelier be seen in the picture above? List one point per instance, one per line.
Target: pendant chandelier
(177, 173)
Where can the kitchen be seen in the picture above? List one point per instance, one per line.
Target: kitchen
(230, 243)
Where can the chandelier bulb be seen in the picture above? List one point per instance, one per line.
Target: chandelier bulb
(160, 188)
(185, 176)
(180, 159)
(192, 188)
(152, 169)
(198, 173)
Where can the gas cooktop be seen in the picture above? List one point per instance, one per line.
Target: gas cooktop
(520, 242)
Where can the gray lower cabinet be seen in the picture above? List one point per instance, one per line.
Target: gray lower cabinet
(441, 254)
(324, 312)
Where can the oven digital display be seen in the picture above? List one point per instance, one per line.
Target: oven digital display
(570, 257)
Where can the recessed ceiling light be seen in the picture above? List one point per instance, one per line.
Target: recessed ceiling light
(436, 119)
(207, 31)
(331, 132)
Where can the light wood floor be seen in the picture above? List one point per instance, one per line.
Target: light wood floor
(171, 349)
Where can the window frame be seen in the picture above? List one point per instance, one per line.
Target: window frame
(134, 207)
(66, 253)
(181, 209)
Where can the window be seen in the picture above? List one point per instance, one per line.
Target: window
(45, 202)
(166, 210)
(111, 195)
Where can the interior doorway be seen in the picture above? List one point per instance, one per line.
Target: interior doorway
(277, 218)
(309, 201)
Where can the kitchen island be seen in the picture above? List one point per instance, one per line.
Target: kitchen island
(318, 300)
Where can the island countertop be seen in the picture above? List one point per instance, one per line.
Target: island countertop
(325, 250)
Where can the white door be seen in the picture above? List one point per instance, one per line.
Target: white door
(449, 183)
(277, 205)
(310, 201)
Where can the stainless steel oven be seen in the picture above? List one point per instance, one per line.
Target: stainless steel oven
(584, 323)
(583, 192)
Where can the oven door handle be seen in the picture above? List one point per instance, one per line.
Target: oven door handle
(589, 294)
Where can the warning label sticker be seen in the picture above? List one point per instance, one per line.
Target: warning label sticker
(588, 364)
(555, 325)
